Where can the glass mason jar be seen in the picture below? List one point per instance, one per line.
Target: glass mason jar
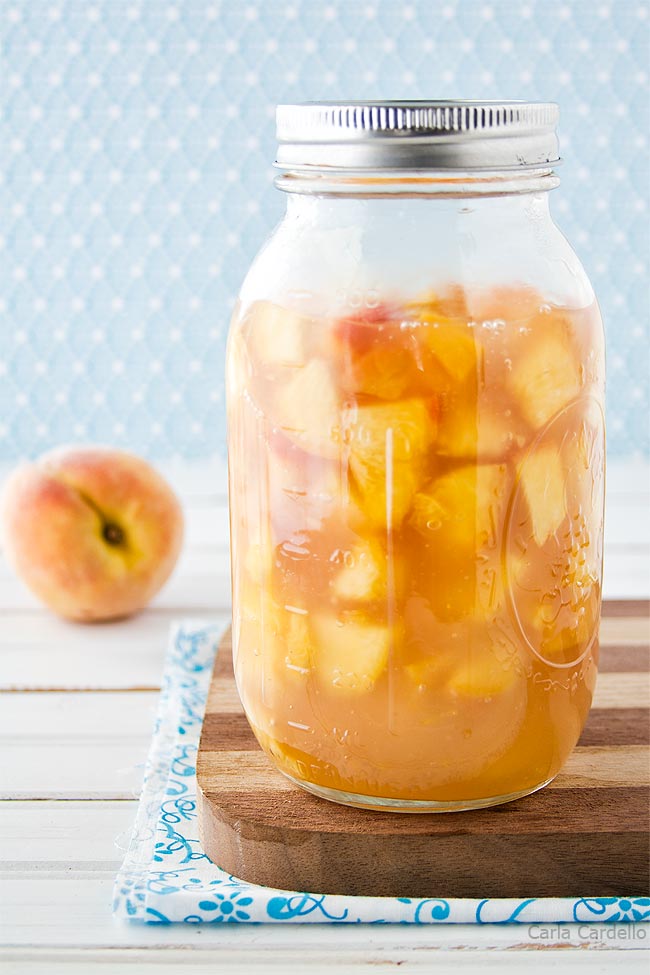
(415, 387)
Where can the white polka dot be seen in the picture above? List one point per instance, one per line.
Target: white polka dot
(621, 45)
(133, 78)
(61, 397)
(78, 367)
(16, 145)
(250, 13)
(133, 13)
(14, 15)
(231, 45)
(54, 79)
(15, 81)
(155, 366)
(175, 335)
(137, 397)
(153, 176)
(92, 14)
(76, 241)
(172, 13)
(58, 272)
(388, 45)
(40, 367)
(349, 45)
(97, 272)
(329, 13)
(193, 111)
(117, 303)
(74, 112)
(99, 397)
(152, 47)
(35, 47)
(37, 177)
(153, 111)
(196, 365)
(115, 176)
(118, 367)
(544, 45)
(192, 46)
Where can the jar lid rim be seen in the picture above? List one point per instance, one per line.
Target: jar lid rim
(469, 135)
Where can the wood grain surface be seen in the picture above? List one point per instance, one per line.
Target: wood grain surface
(584, 835)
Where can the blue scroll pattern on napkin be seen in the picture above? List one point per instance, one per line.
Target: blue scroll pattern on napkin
(167, 878)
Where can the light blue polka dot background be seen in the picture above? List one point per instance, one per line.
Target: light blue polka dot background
(137, 142)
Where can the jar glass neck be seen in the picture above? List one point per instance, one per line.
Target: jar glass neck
(450, 184)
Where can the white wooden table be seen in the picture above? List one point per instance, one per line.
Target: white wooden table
(76, 711)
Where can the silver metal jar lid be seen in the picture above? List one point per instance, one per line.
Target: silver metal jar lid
(466, 136)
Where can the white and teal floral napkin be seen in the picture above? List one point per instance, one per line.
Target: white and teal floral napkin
(167, 878)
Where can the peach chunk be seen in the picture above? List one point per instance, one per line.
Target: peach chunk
(307, 410)
(93, 532)
(542, 480)
(459, 517)
(351, 651)
(275, 336)
(363, 576)
(388, 444)
(546, 376)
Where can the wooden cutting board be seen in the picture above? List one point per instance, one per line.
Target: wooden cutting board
(584, 835)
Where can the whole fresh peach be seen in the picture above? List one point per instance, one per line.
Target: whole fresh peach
(93, 532)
